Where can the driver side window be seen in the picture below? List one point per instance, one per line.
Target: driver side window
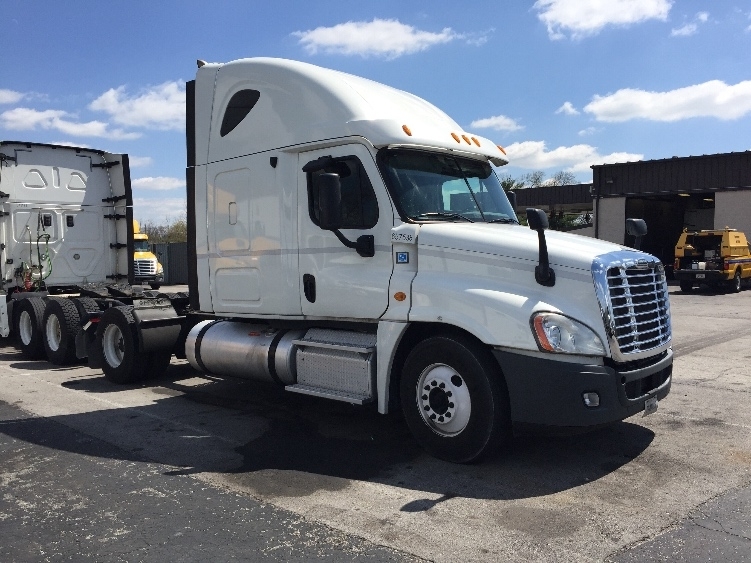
(359, 204)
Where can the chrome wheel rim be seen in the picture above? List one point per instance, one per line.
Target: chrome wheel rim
(25, 328)
(112, 345)
(54, 333)
(443, 400)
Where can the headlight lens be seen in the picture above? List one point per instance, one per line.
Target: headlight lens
(557, 333)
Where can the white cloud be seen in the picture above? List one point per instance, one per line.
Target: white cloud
(588, 131)
(582, 18)
(158, 183)
(10, 96)
(26, 119)
(140, 161)
(685, 31)
(159, 210)
(690, 28)
(161, 107)
(568, 109)
(534, 155)
(381, 38)
(497, 122)
(710, 99)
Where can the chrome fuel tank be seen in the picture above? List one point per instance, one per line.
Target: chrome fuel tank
(243, 350)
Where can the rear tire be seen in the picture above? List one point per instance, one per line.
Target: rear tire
(117, 341)
(686, 286)
(61, 322)
(454, 399)
(736, 283)
(28, 327)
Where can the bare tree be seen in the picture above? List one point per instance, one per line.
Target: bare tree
(562, 178)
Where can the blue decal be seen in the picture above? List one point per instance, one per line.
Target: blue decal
(402, 257)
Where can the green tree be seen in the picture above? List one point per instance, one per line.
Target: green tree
(172, 230)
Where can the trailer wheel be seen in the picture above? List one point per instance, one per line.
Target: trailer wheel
(61, 322)
(122, 361)
(686, 286)
(28, 327)
(454, 399)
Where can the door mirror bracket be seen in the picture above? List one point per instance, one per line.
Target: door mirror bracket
(330, 214)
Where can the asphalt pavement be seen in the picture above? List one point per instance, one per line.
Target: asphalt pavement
(191, 467)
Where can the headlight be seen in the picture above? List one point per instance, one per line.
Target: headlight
(556, 333)
(159, 268)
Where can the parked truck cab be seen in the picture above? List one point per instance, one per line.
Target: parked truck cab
(146, 266)
(351, 241)
(712, 257)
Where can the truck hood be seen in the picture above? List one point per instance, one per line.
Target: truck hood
(516, 242)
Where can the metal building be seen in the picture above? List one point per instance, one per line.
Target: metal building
(695, 192)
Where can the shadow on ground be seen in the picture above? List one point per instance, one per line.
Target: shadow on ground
(320, 444)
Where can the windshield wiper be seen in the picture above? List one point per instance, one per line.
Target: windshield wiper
(504, 220)
(441, 215)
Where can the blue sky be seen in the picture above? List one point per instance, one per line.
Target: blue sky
(562, 84)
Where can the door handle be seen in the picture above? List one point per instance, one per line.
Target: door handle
(309, 287)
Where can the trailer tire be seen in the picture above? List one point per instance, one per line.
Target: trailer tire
(61, 322)
(28, 327)
(454, 399)
(117, 341)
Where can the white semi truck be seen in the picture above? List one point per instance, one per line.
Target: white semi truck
(351, 241)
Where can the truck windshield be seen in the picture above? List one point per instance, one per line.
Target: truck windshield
(439, 187)
(141, 246)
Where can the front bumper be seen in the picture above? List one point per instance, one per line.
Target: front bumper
(702, 276)
(549, 392)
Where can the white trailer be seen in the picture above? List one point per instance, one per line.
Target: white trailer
(351, 241)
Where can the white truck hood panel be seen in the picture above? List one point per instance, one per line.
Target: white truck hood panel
(515, 241)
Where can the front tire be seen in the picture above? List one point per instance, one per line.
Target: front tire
(454, 399)
(28, 327)
(61, 323)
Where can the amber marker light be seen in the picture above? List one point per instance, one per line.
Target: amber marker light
(456, 137)
(466, 139)
(500, 148)
(475, 141)
(400, 296)
(542, 338)
(407, 130)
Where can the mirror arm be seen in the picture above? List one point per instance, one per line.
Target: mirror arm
(365, 244)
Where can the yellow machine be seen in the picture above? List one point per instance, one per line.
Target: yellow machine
(146, 267)
(713, 258)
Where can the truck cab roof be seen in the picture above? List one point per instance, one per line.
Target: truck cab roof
(262, 104)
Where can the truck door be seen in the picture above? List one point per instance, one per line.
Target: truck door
(335, 281)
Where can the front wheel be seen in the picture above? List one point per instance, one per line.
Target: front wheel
(454, 399)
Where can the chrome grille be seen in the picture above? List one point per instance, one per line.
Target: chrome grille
(144, 267)
(640, 309)
(636, 309)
